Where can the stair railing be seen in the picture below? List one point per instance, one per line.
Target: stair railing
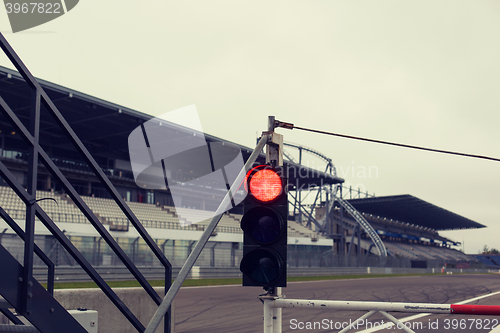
(31, 136)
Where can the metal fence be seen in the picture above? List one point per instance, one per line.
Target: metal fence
(215, 254)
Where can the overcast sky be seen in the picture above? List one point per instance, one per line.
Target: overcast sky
(422, 73)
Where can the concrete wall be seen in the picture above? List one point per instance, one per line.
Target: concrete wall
(111, 320)
(324, 271)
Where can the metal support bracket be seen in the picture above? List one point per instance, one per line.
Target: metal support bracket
(274, 145)
(278, 123)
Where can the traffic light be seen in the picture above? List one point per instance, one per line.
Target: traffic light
(264, 224)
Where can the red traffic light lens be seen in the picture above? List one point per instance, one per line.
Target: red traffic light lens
(265, 185)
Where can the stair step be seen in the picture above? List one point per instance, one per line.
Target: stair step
(18, 328)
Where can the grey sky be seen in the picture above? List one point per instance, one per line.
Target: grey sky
(423, 73)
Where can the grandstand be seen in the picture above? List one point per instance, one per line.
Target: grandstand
(489, 260)
(407, 226)
(412, 242)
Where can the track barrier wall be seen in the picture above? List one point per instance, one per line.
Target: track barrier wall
(110, 318)
(73, 274)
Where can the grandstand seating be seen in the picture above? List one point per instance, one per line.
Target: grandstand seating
(61, 209)
(55, 206)
(435, 253)
(424, 252)
(416, 250)
(488, 260)
(401, 250)
(108, 209)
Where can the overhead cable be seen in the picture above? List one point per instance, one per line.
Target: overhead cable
(291, 126)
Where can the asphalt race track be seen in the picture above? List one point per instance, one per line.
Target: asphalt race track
(227, 309)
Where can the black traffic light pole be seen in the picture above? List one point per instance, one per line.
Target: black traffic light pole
(274, 157)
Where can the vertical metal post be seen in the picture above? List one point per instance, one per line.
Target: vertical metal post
(163, 246)
(297, 187)
(234, 247)
(274, 158)
(330, 216)
(299, 194)
(342, 239)
(334, 249)
(296, 253)
(134, 243)
(272, 314)
(277, 313)
(212, 254)
(168, 323)
(359, 241)
(268, 316)
(296, 195)
(270, 149)
(274, 147)
(29, 241)
(329, 227)
(95, 251)
(270, 123)
(313, 206)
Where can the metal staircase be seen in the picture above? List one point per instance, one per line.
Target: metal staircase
(365, 225)
(17, 284)
(45, 313)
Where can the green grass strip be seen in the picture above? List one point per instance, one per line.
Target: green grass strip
(235, 281)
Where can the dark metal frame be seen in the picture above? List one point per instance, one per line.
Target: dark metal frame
(38, 251)
(31, 136)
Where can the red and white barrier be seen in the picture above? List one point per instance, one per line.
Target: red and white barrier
(491, 310)
(273, 305)
(390, 307)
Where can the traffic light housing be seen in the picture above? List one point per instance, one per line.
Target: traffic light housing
(264, 224)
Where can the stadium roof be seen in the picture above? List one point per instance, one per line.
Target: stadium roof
(409, 209)
(103, 127)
